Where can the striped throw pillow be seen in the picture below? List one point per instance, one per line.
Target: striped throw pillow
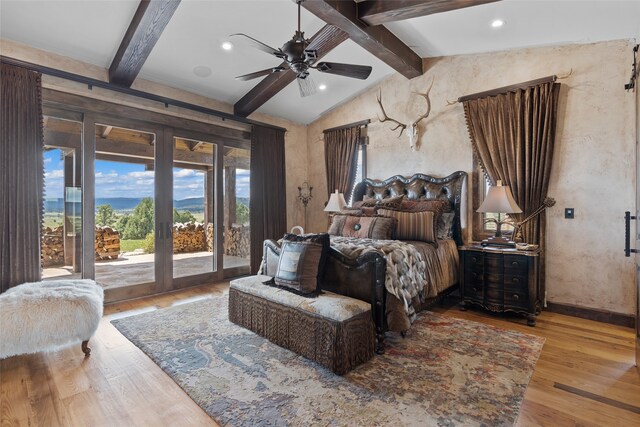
(413, 225)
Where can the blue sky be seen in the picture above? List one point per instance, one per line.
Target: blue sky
(114, 179)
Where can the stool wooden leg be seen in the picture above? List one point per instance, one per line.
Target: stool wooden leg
(85, 348)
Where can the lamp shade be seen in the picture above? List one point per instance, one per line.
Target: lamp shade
(499, 200)
(336, 202)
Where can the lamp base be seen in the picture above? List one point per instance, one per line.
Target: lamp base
(498, 241)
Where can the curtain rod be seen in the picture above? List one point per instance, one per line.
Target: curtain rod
(350, 125)
(510, 88)
(129, 91)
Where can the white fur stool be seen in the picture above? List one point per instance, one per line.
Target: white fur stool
(44, 316)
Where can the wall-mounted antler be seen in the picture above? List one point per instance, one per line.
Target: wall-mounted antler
(386, 118)
(413, 126)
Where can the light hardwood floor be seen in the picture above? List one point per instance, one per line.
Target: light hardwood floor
(585, 376)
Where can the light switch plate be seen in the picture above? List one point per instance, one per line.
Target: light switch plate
(569, 213)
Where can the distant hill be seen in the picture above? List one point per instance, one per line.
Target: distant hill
(127, 204)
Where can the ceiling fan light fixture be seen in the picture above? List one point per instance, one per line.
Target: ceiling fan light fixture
(227, 45)
(497, 23)
(322, 86)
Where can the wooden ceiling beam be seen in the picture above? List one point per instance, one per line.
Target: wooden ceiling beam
(325, 40)
(145, 29)
(377, 40)
(378, 12)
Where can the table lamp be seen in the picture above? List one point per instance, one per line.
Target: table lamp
(499, 200)
(336, 202)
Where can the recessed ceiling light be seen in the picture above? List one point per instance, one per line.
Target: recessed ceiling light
(497, 23)
(322, 87)
(227, 46)
(202, 71)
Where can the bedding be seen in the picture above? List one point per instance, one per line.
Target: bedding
(415, 273)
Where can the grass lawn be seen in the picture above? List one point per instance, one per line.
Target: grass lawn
(131, 245)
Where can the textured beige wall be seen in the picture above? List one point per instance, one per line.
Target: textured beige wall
(594, 164)
(295, 138)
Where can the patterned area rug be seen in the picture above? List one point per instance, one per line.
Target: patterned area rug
(446, 372)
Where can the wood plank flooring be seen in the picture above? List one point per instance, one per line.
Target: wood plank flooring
(584, 377)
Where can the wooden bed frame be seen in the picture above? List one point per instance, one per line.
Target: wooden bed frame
(364, 277)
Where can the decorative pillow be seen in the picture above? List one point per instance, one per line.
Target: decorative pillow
(438, 206)
(372, 227)
(301, 261)
(445, 225)
(414, 225)
(388, 203)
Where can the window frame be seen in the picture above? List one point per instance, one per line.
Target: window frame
(480, 185)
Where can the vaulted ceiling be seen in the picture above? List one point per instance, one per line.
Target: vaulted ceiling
(178, 43)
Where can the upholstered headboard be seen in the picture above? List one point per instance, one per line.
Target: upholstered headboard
(419, 186)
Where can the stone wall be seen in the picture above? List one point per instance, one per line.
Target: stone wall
(52, 247)
(189, 237)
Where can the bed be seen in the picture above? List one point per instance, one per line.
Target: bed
(360, 273)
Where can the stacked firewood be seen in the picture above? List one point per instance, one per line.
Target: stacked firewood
(52, 247)
(189, 237)
(237, 241)
(210, 244)
(107, 243)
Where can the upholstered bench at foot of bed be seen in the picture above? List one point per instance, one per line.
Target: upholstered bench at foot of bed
(330, 329)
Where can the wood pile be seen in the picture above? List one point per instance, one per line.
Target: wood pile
(189, 237)
(52, 247)
(237, 241)
(107, 243)
(210, 244)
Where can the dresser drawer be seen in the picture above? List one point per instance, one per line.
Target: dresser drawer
(493, 263)
(515, 282)
(473, 260)
(474, 291)
(516, 299)
(516, 264)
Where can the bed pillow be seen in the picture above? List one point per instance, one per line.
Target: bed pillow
(301, 262)
(413, 225)
(445, 225)
(438, 206)
(389, 202)
(372, 227)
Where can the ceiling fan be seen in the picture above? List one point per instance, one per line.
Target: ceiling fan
(300, 60)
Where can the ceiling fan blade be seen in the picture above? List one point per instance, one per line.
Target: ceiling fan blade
(260, 73)
(347, 70)
(306, 85)
(259, 45)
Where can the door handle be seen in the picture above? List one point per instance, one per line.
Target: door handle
(160, 231)
(627, 234)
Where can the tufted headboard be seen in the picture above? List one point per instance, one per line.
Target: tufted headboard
(417, 187)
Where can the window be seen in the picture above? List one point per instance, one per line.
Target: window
(361, 169)
(481, 185)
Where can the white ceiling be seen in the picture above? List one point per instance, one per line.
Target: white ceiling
(91, 31)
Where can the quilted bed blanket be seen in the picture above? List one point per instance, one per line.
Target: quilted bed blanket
(406, 273)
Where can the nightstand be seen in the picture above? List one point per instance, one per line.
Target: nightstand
(500, 280)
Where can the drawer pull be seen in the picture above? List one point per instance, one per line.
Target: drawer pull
(474, 259)
(515, 280)
(516, 297)
(514, 263)
(476, 289)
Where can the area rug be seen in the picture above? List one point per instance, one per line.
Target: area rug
(446, 372)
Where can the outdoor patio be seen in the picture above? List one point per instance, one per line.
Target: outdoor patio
(134, 269)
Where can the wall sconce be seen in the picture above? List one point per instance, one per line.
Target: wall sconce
(304, 195)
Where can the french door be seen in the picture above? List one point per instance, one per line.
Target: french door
(151, 207)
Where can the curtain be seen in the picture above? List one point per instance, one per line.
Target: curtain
(268, 210)
(513, 135)
(341, 158)
(21, 176)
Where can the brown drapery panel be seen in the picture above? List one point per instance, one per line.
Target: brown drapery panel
(341, 158)
(513, 135)
(268, 203)
(21, 176)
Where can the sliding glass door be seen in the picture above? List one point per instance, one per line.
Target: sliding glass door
(196, 246)
(139, 207)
